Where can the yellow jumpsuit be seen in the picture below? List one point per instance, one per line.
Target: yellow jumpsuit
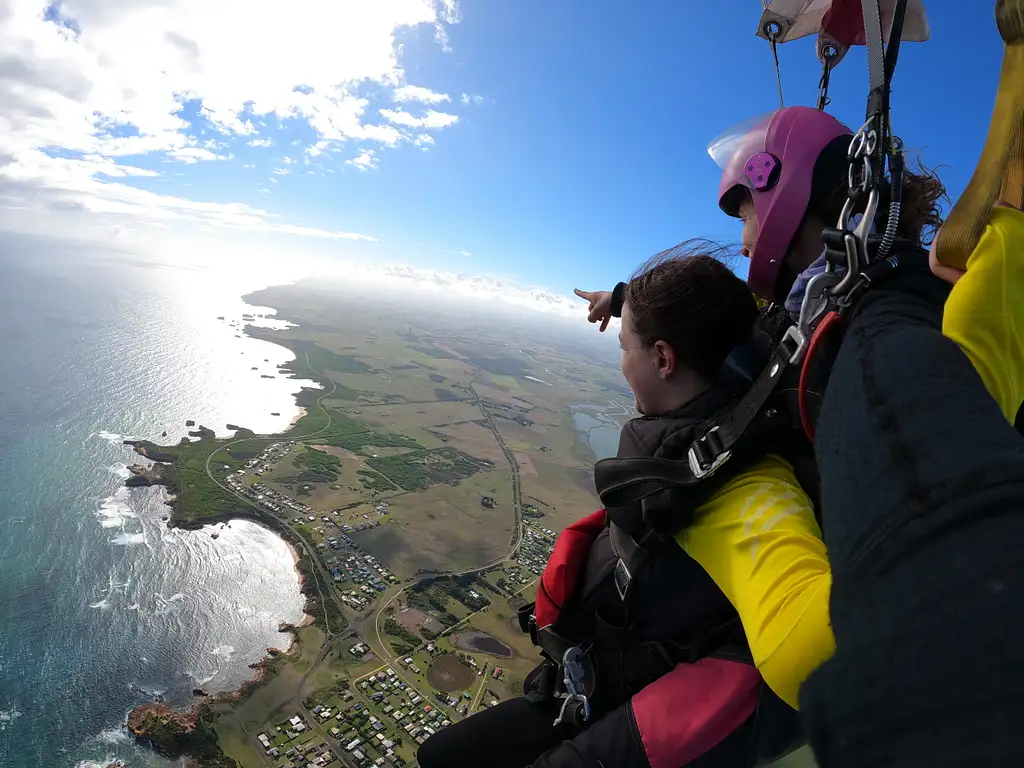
(758, 538)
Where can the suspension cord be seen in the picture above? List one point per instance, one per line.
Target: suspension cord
(890, 144)
(828, 53)
(872, 146)
(772, 32)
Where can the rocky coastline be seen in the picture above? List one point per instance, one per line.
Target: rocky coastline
(143, 476)
(188, 732)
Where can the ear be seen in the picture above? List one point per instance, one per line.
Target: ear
(665, 359)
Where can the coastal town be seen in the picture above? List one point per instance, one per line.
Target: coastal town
(421, 501)
(432, 675)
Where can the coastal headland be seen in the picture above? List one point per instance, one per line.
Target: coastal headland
(421, 489)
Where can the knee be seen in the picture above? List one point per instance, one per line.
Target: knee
(434, 752)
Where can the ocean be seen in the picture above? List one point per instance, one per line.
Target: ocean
(102, 607)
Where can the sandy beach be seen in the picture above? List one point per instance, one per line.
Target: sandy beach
(299, 415)
(307, 619)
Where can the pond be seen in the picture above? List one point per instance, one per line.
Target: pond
(597, 429)
(475, 640)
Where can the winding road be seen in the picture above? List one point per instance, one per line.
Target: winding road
(309, 549)
(377, 642)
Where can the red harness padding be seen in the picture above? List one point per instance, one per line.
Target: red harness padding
(810, 373)
(565, 567)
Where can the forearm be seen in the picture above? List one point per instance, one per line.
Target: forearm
(922, 490)
(758, 539)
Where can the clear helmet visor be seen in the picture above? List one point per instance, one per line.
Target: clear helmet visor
(734, 146)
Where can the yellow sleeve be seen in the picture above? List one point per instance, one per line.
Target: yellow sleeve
(758, 539)
(984, 313)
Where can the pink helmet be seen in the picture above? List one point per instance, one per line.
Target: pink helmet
(773, 157)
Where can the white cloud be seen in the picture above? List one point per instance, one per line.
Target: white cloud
(472, 99)
(96, 79)
(478, 287)
(195, 154)
(39, 184)
(420, 94)
(430, 119)
(281, 171)
(364, 161)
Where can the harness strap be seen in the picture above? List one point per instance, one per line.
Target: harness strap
(631, 556)
(876, 53)
(716, 446)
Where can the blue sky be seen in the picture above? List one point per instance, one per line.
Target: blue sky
(580, 152)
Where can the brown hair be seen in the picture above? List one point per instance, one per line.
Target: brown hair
(923, 195)
(687, 297)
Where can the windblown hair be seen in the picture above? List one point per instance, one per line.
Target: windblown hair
(687, 297)
(923, 194)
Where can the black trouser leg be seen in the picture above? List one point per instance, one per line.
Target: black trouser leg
(511, 735)
(923, 506)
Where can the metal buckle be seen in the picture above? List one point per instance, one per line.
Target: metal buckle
(572, 663)
(622, 577)
(701, 468)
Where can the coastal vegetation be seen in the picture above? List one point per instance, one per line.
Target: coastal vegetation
(418, 470)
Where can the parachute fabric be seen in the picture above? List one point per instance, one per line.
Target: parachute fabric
(1000, 172)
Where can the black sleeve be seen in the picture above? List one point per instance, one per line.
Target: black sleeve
(615, 741)
(611, 741)
(618, 296)
(922, 483)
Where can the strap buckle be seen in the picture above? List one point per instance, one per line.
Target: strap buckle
(703, 457)
(575, 706)
(622, 578)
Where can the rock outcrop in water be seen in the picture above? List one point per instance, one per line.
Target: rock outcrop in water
(144, 476)
(175, 734)
(203, 433)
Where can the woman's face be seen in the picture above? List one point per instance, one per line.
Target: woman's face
(804, 250)
(640, 366)
(748, 215)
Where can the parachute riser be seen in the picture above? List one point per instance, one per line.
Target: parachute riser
(872, 148)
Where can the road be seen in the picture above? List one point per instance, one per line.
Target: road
(382, 648)
(310, 552)
(309, 549)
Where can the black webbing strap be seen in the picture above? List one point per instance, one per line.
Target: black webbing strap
(632, 556)
(709, 451)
